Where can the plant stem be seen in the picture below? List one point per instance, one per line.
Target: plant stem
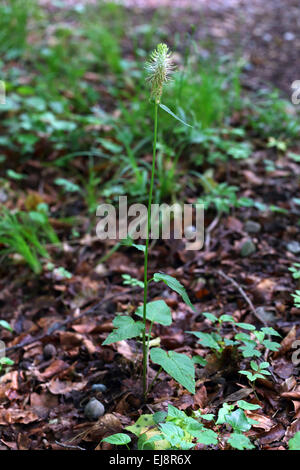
(145, 359)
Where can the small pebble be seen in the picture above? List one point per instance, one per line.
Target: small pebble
(294, 247)
(248, 248)
(99, 388)
(252, 227)
(94, 409)
(49, 351)
(289, 36)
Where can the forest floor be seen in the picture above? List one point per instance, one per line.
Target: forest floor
(61, 317)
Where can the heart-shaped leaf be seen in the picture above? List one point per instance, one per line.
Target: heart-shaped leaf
(178, 366)
(156, 311)
(126, 328)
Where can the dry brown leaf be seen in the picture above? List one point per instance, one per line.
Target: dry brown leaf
(263, 421)
(43, 403)
(276, 433)
(13, 415)
(59, 387)
(55, 368)
(287, 342)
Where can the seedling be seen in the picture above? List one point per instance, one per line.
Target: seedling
(249, 344)
(259, 371)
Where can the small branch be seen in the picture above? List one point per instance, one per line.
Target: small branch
(243, 294)
(208, 231)
(68, 446)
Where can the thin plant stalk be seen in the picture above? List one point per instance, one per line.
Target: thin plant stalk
(145, 349)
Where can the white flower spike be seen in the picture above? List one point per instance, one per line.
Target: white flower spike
(159, 69)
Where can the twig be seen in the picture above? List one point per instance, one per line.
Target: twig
(208, 231)
(243, 294)
(68, 446)
(51, 330)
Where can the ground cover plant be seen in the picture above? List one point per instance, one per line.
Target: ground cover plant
(141, 343)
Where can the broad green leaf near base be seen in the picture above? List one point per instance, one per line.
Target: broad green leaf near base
(240, 441)
(207, 437)
(126, 328)
(178, 366)
(294, 443)
(141, 425)
(156, 311)
(174, 285)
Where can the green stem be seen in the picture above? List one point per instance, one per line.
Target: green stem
(145, 359)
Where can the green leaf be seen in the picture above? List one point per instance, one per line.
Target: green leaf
(67, 185)
(238, 421)
(199, 360)
(173, 412)
(270, 331)
(175, 285)
(247, 406)
(160, 416)
(165, 108)
(15, 176)
(249, 351)
(272, 345)
(156, 311)
(207, 437)
(126, 328)
(173, 433)
(178, 366)
(246, 326)
(6, 325)
(223, 413)
(206, 340)
(254, 366)
(119, 439)
(210, 316)
(240, 442)
(264, 365)
(129, 242)
(227, 318)
(294, 443)
(6, 361)
(142, 424)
